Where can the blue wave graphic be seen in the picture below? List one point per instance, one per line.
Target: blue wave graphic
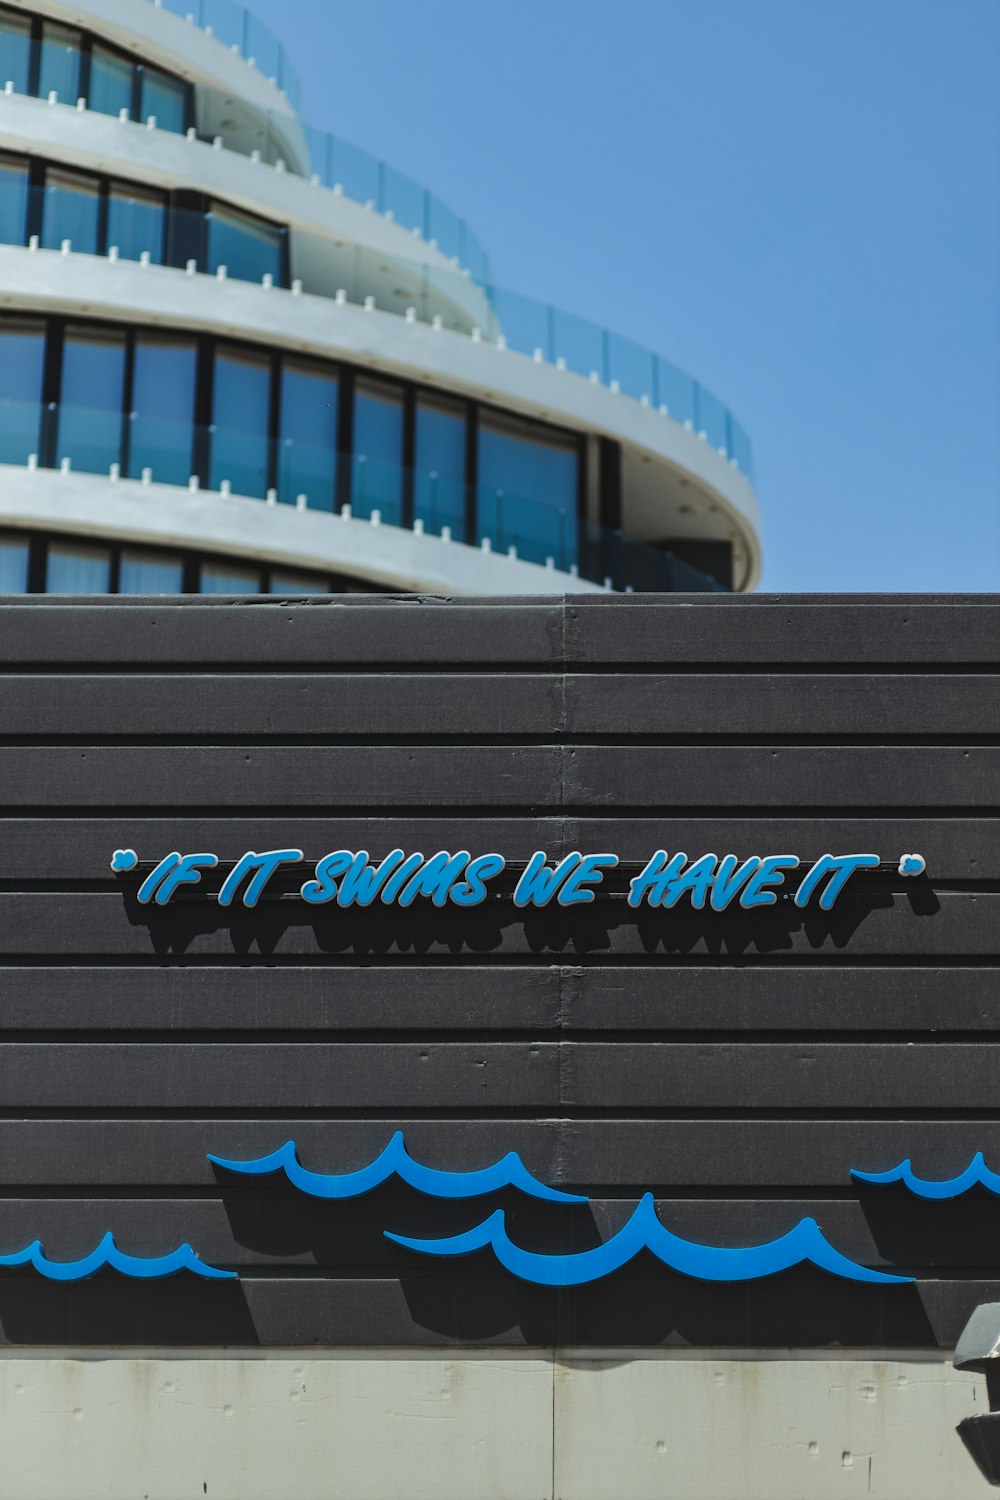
(142, 1268)
(395, 1160)
(644, 1231)
(976, 1174)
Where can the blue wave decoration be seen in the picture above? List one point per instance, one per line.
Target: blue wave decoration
(976, 1174)
(395, 1160)
(140, 1267)
(644, 1231)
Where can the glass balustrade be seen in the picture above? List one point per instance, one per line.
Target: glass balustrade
(139, 226)
(88, 439)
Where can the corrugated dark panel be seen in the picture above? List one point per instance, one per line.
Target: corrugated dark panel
(480, 705)
(249, 636)
(854, 632)
(880, 924)
(737, 1065)
(524, 776)
(63, 848)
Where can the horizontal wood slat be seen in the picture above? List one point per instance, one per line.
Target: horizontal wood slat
(469, 705)
(65, 848)
(543, 777)
(864, 924)
(544, 998)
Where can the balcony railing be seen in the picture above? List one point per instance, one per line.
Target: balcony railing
(150, 232)
(150, 449)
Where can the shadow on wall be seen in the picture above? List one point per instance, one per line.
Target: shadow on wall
(603, 929)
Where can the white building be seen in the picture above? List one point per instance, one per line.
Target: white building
(240, 355)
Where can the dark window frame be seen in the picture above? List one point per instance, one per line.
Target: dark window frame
(87, 41)
(474, 412)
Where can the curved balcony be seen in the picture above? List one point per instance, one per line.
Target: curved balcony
(303, 477)
(236, 28)
(233, 123)
(156, 233)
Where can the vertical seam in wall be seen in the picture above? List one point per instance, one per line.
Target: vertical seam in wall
(552, 1439)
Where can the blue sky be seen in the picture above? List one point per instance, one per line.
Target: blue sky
(797, 201)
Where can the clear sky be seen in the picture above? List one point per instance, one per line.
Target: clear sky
(797, 201)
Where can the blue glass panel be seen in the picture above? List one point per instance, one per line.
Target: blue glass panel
(444, 227)
(355, 170)
(523, 322)
(377, 475)
(579, 343)
(307, 455)
(13, 567)
(13, 201)
(298, 583)
(166, 98)
(320, 147)
(160, 423)
(22, 355)
(241, 415)
(77, 569)
(136, 222)
(528, 493)
(262, 47)
(631, 366)
(245, 246)
(15, 51)
(70, 212)
(226, 578)
(111, 76)
(90, 414)
(675, 391)
(742, 451)
(712, 418)
(439, 481)
(225, 20)
(60, 63)
(403, 198)
(150, 573)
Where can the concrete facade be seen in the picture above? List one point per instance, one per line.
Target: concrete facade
(482, 1425)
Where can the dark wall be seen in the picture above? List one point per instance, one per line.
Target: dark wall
(737, 1064)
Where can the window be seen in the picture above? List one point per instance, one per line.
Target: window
(307, 452)
(136, 219)
(111, 79)
(71, 211)
(13, 567)
(59, 70)
(164, 97)
(439, 480)
(377, 472)
(77, 569)
(22, 359)
(222, 578)
(13, 200)
(15, 51)
(161, 419)
(298, 583)
(90, 414)
(527, 490)
(240, 423)
(150, 573)
(247, 247)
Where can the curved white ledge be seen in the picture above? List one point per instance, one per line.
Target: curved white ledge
(155, 295)
(163, 515)
(158, 36)
(162, 159)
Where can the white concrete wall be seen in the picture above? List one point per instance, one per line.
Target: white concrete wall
(441, 1426)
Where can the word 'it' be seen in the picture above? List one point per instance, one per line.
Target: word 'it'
(347, 877)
